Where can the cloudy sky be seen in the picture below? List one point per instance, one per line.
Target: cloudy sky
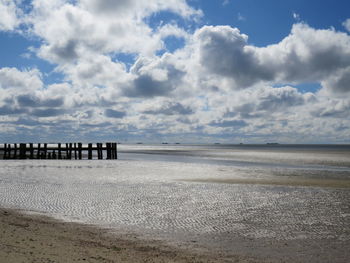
(229, 71)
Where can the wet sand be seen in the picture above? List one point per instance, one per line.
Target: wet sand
(34, 238)
(170, 208)
(286, 181)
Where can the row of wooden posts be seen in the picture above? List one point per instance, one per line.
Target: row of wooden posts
(59, 151)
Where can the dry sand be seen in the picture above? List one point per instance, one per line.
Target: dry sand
(35, 238)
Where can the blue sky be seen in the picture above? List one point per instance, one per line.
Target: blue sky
(189, 71)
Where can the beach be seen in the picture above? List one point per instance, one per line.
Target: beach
(179, 204)
(34, 238)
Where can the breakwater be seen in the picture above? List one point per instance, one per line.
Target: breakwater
(59, 151)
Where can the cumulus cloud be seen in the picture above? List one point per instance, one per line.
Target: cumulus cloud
(31, 101)
(9, 15)
(12, 78)
(306, 55)
(217, 82)
(72, 31)
(339, 82)
(170, 108)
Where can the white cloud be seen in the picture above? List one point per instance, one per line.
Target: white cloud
(218, 83)
(346, 24)
(9, 15)
(306, 55)
(296, 16)
(240, 17)
(71, 31)
(226, 2)
(12, 78)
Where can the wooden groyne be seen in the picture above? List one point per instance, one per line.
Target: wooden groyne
(59, 151)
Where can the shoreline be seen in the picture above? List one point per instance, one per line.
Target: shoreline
(39, 238)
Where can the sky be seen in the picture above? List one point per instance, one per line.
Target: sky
(195, 71)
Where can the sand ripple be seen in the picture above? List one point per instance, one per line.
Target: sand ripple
(149, 196)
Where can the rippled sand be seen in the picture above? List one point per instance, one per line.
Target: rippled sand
(179, 203)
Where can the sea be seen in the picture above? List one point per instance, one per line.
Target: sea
(289, 202)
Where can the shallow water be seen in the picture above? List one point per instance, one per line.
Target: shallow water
(171, 192)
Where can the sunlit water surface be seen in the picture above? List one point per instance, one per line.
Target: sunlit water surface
(225, 197)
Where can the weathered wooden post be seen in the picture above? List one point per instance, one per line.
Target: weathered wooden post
(59, 151)
(108, 148)
(80, 146)
(15, 151)
(5, 151)
(31, 149)
(70, 150)
(38, 155)
(75, 151)
(90, 151)
(114, 150)
(67, 151)
(100, 150)
(22, 150)
(9, 151)
(45, 151)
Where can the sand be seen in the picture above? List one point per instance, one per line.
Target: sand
(37, 238)
(286, 181)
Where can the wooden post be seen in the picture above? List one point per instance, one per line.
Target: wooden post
(22, 150)
(67, 151)
(38, 155)
(5, 151)
(9, 151)
(75, 151)
(114, 151)
(15, 151)
(59, 152)
(45, 150)
(100, 151)
(108, 147)
(80, 146)
(113, 155)
(90, 151)
(31, 149)
(70, 150)
(54, 155)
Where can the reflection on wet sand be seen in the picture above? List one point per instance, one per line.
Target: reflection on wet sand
(263, 210)
(307, 182)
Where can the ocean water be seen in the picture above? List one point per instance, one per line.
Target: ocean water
(224, 197)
